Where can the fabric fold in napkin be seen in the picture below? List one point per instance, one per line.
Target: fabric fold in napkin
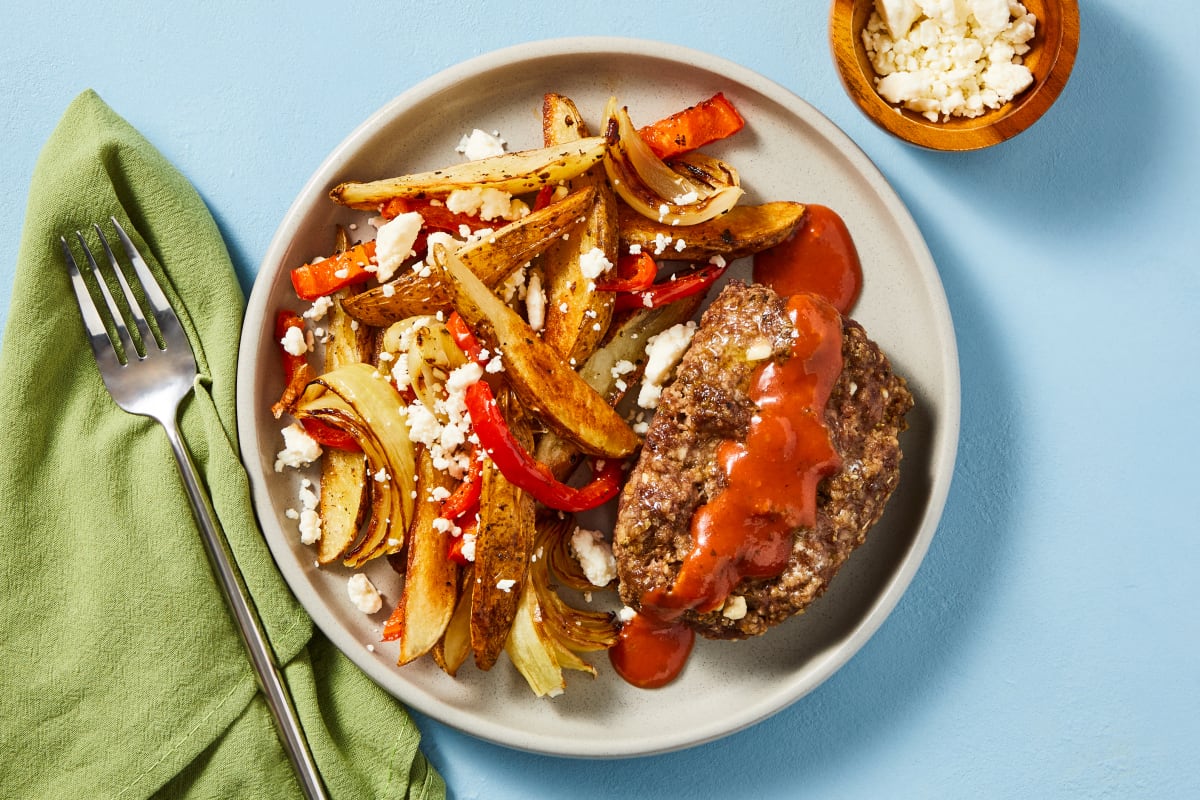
(121, 669)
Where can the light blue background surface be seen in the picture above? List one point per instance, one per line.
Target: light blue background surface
(1050, 644)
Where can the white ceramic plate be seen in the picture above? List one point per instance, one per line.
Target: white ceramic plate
(787, 151)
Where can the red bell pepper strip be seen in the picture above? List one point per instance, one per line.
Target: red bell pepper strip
(393, 629)
(329, 436)
(434, 216)
(466, 495)
(545, 197)
(296, 370)
(635, 272)
(461, 332)
(284, 320)
(521, 469)
(660, 294)
(692, 128)
(324, 277)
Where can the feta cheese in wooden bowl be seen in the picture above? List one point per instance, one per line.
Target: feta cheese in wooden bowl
(954, 74)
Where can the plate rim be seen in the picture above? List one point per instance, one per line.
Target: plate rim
(942, 452)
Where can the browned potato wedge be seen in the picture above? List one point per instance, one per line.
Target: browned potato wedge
(741, 232)
(354, 398)
(577, 315)
(626, 341)
(516, 173)
(545, 382)
(455, 645)
(430, 578)
(502, 548)
(343, 502)
(492, 259)
(344, 498)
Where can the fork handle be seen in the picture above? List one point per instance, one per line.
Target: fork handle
(249, 625)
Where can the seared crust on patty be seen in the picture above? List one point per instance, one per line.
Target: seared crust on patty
(707, 403)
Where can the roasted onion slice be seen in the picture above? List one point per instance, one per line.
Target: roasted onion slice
(699, 189)
(360, 401)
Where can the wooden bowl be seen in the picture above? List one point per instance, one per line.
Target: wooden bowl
(1050, 58)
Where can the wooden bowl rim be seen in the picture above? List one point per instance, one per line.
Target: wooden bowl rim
(960, 134)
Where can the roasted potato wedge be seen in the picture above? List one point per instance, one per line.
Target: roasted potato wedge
(355, 399)
(740, 232)
(343, 502)
(344, 498)
(430, 578)
(626, 341)
(516, 173)
(502, 548)
(542, 379)
(577, 314)
(492, 259)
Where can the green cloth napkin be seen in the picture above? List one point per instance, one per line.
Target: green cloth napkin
(121, 671)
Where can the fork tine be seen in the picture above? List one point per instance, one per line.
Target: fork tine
(103, 347)
(164, 314)
(135, 308)
(126, 342)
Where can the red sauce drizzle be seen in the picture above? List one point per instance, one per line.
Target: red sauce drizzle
(771, 489)
(819, 257)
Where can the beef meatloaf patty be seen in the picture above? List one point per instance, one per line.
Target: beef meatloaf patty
(707, 403)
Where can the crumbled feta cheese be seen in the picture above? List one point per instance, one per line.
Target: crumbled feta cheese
(506, 585)
(294, 342)
(394, 243)
(462, 377)
(317, 311)
(363, 593)
(661, 243)
(662, 354)
(594, 263)
(735, 607)
(594, 555)
(310, 526)
(623, 367)
(468, 546)
(535, 302)
(445, 440)
(486, 203)
(514, 285)
(299, 449)
(626, 614)
(944, 58)
(400, 375)
(310, 520)
(480, 144)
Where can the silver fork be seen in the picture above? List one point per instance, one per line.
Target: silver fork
(149, 372)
